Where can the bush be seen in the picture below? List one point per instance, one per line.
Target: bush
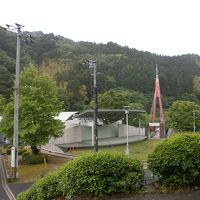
(21, 151)
(25, 154)
(92, 175)
(36, 159)
(8, 148)
(99, 174)
(176, 161)
(43, 189)
(29, 158)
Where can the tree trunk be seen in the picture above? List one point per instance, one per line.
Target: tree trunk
(35, 150)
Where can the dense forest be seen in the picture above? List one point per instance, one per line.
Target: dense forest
(119, 69)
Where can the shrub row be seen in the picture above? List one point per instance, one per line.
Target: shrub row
(7, 149)
(29, 158)
(93, 175)
(176, 161)
(44, 189)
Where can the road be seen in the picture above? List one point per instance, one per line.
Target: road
(5, 192)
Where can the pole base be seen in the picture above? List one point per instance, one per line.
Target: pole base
(127, 150)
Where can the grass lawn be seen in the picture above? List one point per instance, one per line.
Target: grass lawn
(29, 173)
(139, 150)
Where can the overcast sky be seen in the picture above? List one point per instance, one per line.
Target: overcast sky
(167, 27)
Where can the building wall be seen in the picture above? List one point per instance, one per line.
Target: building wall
(73, 134)
(106, 131)
(131, 130)
(82, 133)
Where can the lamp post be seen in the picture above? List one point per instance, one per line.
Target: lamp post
(92, 65)
(194, 122)
(127, 131)
(139, 124)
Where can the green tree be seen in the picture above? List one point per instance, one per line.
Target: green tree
(196, 85)
(181, 117)
(118, 98)
(38, 107)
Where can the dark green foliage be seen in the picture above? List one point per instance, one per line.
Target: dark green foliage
(35, 159)
(118, 98)
(118, 66)
(176, 161)
(25, 154)
(30, 158)
(100, 174)
(43, 189)
(181, 115)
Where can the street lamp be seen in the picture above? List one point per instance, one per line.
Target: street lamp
(127, 130)
(92, 65)
(139, 124)
(194, 123)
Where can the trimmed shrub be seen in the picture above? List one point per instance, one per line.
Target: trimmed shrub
(176, 160)
(43, 189)
(21, 151)
(36, 159)
(92, 175)
(25, 154)
(29, 158)
(100, 174)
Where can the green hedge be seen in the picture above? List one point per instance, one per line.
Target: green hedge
(29, 158)
(99, 174)
(176, 161)
(89, 175)
(43, 189)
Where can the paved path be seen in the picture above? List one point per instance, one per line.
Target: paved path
(16, 188)
(195, 195)
(5, 192)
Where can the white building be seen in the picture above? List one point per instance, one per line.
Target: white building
(78, 130)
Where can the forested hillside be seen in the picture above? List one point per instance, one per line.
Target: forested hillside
(119, 68)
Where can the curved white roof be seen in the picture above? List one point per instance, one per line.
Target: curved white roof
(64, 116)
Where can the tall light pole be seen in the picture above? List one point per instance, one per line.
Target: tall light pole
(139, 124)
(16, 27)
(127, 130)
(92, 65)
(194, 122)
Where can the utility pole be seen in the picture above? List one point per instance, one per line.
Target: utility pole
(16, 101)
(14, 161)
(139, 125)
